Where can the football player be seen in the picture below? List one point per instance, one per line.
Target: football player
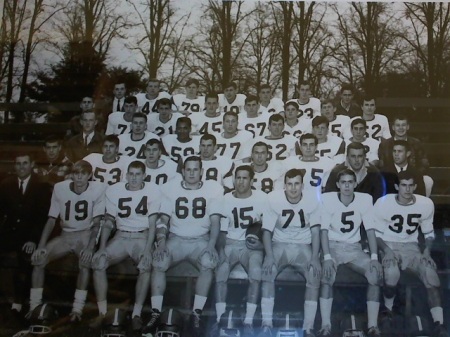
(337, 123)
(308, 106)
(181, 145)
(398, 218)
(211, 120)
(230, 100)
(159, 169)
(146, 101)
(342, 215)
(295, 126)
(267, 174)
(253, 120)
(131, 210)
(291, 237)
(120, 122)
(108, 167)
(269, 103)
(358, 128)
(80, 205)
(186, 234)
(190, 102)
(329, 146)
(164, 121)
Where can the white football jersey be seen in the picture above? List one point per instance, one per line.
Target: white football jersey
(76, 211)
(279, 149)
(108, 173)
(339, 125)
(159, 128)
(270, 179)
(310, 109)
(303, 126)
(257, 125)
(342, 221)
(371, 147)
(239, 213)
(166, 171)
(189, 210)
(178, 150)
(117, 125)
(236, 106)
(202, 124)
(291, 223)
(131, 209)
(148, 106)
(377, 128)
(134, 149)
(276, 105)
(233, 147)
(333, 148)
(187, 105)
(219, 169)
(400, 223)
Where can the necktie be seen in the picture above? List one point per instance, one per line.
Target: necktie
(402, 169)
(21, 187)
(86, 141)
(118, 105)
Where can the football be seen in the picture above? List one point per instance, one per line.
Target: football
(254, 233)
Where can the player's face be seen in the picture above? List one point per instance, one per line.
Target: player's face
(242, 182)
(400, 127)
(153, 89)
(191, 90)
(138, 125)
(346, 96)
(230, 124)
(211, 105)
(87, 104)
(291, 112)
(129, 108)
(110, 150)
(276, 128)
(304, 91)
(135, 178)
(23, 166)
(346, 184)
(207, 149)
(368, 107)
(119, 90)
(52, 150)
(259, 155)
(265, 94)
(308, 147)
(293, 187)
(152, 153)
(320, 131)
(183, 130)
(406, 190)
(399, 154)
(230, 93)
(252, 108)
(327, 110)
(356, 158)
(88, 122)
(80, 178)
(164, 110)
(359, 132)
(192, 174)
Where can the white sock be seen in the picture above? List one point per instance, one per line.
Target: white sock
(310, 309)
(102, 307)
(325, 310)
(389, 302)
(35, 297)
(137, 309)
(79, 300)
(372, 313)
(437, 314)
(17, 307)
(157, 302)
(199, 302)
(250, 313)
(267, 304)
(221, 307)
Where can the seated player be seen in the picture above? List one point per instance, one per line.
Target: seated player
(307, 105)
(230, 100)
(79, 204)
(186, 234)
(358, 128)
(267, 174)
(190, 102)
(398, 218)
(131, 210)
(147, 101)
(343, 212)
(133, 144)
(337, 123)
(164, 121)
(108, 167)
(209, 121)
(159, 169)
(252, 119)
(120, 122)
(181, 145)
(269, 103)
(291, 237)
(329, 146)
(236, 211)
(294, 125)
(216, 168)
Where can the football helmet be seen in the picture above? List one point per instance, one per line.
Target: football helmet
(229, 324)
(115, 324)
(288, 326)
(41, 319)
(171, 324)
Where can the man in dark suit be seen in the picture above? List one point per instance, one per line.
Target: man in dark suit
(346, 105)
(88, 141)
(24, 205)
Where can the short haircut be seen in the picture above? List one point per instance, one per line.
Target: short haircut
(52, 139)
(276, 118)
(154, 141)
(194, 159)
(247, 168)
(112, 139)
(265, 86)
(328, 101)
(139, 115)
(23, 154)
(293, 103)
(292, 173)
(131, 99)
(136, 164)
(303, 82)
(192, 81)
(185, 120)
(260, 144)
(82, 166)
(231, 84)
(308, 136)
(400, 117)
(153, 80)
(355, 146)
(251, 98)
(346, 172)
(230, 113)
(212, 95)
(401, 142)
(347, 86)
(368, 98)
(406, 175)
(318, 120)
(358, 121)
(163, 101)
(208, 136)
(88, 112)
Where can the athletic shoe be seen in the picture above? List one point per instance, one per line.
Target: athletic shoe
(308, 333)
(153, 322)
(266, 331)
(195, 323)
(439, 330)
(248, 330)
(325, 331)
(75, 317)
(136, 324)
(373, 332)
(215, 330)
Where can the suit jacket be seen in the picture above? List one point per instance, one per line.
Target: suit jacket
(390, 175)
(75, 149)
(23, 216)
(355, 109)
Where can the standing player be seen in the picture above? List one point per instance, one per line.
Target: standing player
(108, 167)
(237, 211)
(131, 209)
(267, 174)
(308, 106)
(159, 169)
(342, 215)
(268, 103)
(133, 144)
(337, 123)
(346, 106)
(398, 218)
(211, 120)
(181, 145)
(291, 237)
(329, 146)
(358, 128)
(230, 100)
(163, 122)
(79, 204)
(120, 122)
(253, 120)
(186, 234)
(190, 102)
(295, 126)
(146, 101)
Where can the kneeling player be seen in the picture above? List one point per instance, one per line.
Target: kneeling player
(79, 203)
(398, 218)
(131, 208)
(342, 215)
(291, 238)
